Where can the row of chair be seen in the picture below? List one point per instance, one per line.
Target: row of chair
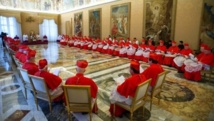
(78, 97)
(142, 95)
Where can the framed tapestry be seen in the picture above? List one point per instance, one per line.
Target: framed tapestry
(78, 24)
(159, 19)
(95, 23)
(120, 20)
(207, 24)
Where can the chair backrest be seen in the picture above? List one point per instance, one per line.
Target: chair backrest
(77, 94)
(160, 80)
(24, 75)
(141, 91)
(16, 61)
(39, 84)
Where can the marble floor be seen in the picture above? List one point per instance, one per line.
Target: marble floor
(181, 99)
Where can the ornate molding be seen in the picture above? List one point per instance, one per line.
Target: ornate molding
(30, 19)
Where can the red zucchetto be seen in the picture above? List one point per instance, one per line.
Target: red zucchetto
(42, 63)
(135, 64)
(82, 63)
(31, 54)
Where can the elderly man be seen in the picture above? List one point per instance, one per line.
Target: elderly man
(193, 66)
(152, 72)
(178, 62)
(126, 91)
(159, 52)
(29, 65)
(54, 83)
(80, 79)
(171, 53)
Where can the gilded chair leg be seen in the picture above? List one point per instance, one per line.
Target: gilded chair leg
(50, 107)
(151, 104)
(131, 114)
(210, 78)
(25, 93)
(112, 117)
(143, 111)
(90, 117)
(36, 103)
(69, 115)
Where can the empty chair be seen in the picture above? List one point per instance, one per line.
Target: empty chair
(78, 99)
(157, 88)
(41, 91)
(138, 100)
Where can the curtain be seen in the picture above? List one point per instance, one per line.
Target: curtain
(49, 28)
(10, 26)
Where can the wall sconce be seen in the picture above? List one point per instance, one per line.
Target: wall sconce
(30, 19)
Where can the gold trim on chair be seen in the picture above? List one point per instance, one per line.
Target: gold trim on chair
(78, 99)
(41, 91)
(26, 80)
(157, 88)
(208, 73)
(138, 100)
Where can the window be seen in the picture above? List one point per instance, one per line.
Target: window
(10, 26)
(49, 28)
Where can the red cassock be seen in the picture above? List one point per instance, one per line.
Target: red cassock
(127, 88)
(23, 58)
(71, 43)
(64, 43)
(140, 57)
(17, 54)
(152, 72)
(167, 59)
(203, 58)
(158, 57)
(32, 68)
(206, 58)
(79, 79)
(184, 52)
(51, 80)
(152, 48)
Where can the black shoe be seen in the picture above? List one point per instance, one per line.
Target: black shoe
(84, 113)
(180, 72)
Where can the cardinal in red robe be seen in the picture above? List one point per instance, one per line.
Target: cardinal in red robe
(30, 66)
(152, 72)
(204, 59)
(185, 54)
(171, 53)
(159, 52)
(54, 83)
(126, 89)
(80, 79)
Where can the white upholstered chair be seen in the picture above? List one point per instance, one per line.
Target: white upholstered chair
(26, 80)
(41, 91)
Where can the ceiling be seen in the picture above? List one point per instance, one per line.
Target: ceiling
(50, 6)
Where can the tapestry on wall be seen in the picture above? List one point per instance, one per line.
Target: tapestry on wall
(95, 23)
(120, 20)
(207, 24)
(78, 24)
(159, 20)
